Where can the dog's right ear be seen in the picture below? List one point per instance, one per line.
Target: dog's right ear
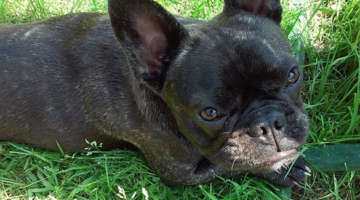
(268, 8)
(153, 34)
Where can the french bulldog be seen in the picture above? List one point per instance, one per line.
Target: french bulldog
(198, 99)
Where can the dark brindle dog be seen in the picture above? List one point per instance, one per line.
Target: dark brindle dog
(197, 98)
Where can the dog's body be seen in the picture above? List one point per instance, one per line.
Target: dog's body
(197, 98)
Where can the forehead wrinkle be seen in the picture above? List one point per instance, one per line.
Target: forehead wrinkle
(238, 37)
(271, 49)
(246, 19)
(203, 35)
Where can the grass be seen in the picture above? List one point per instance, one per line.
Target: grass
(331, 91)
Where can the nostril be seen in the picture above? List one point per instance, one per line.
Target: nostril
(264, 131)
(279, 125)
(259, 130)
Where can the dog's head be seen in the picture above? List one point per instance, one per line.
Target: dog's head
(231, 83)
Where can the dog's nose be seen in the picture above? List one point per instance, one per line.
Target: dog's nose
(271, 125)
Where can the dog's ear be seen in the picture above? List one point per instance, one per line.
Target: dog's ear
(152, 33)
(267, 8)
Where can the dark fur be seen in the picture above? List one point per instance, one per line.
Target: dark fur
(143, 76)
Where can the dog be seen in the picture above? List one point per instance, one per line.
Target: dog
(198, 99)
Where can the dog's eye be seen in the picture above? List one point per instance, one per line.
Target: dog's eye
(209, 114)
(294, 75)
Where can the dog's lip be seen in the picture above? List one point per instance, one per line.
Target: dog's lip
(282, 155)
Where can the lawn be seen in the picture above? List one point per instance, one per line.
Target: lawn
(329, 31)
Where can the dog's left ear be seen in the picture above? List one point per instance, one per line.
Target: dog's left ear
(268, 8)
(151, 33)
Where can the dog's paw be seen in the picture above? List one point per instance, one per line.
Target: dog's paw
(289, 175)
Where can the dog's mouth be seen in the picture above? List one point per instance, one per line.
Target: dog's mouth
(204, 166)
(280, 157)
(276, 161)
(275, 169)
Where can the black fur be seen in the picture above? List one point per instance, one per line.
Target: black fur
(142, 76)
